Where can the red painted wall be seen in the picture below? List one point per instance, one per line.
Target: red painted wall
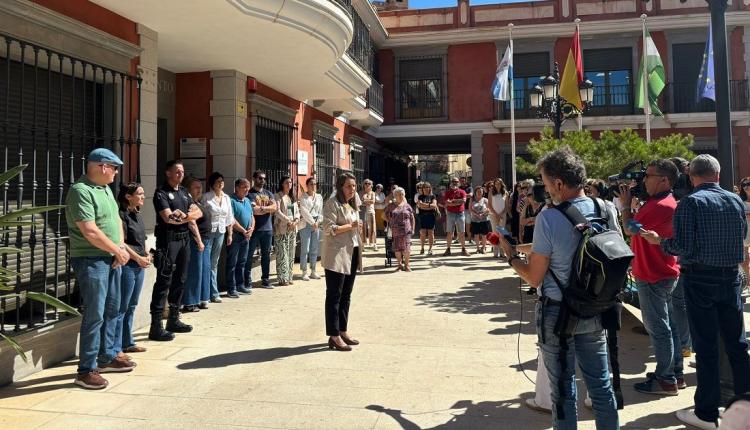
(193, 95)
(737, 53)
(95, 16)
(471, 69)
(387, 63)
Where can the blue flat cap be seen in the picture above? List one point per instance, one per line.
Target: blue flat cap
(104, 155)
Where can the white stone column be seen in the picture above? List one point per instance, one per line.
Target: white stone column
(477, 163)
(229, 114)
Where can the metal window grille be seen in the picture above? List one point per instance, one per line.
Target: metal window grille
(360, 50)
(326, 167)
(376, 170)
(359, 164)
(54, 109)
(276, 151)
(421, 88)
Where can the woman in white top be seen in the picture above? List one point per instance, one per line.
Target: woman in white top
(368, 200)
(222, 218)
(379, 209)
(285, 224)
(311, 212)
(498, 199)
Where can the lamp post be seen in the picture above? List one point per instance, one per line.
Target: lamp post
(546, 100)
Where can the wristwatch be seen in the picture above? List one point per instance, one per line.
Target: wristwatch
(514, 257)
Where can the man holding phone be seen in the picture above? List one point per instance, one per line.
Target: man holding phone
(656, 275)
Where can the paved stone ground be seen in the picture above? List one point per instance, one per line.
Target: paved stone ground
(439, 351)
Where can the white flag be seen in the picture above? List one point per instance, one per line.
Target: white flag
(501, 87)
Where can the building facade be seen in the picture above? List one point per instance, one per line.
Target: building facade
(437, 68)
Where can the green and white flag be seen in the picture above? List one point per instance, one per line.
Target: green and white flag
(657, 79)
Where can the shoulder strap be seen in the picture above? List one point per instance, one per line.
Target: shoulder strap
(571, 213)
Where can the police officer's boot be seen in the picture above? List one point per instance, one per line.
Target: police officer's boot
(157, 332)
(173, 321)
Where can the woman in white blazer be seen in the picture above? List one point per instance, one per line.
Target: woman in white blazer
(341, 258)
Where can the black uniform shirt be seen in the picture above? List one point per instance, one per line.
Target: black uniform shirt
(135, 231)
(167, 197)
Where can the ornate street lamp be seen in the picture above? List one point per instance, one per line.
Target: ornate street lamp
(545, 99)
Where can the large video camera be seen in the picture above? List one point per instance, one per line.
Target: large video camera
(633, 172)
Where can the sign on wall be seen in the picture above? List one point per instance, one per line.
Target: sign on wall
(302, 162)
(193, 152)
(342, 151)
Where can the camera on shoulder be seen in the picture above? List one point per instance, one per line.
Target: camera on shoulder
(634, 172)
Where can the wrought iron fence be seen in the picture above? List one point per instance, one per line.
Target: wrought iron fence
(326, 166)
(681, 97)
(359, 164)
(276, 151)
(374, 96)
(422, 88)
(608, 100)
(54, 108)
(360, 50)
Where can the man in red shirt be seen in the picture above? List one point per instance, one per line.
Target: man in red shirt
(455, 198)
(656, 275)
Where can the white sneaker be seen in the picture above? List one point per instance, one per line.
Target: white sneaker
(314, 275)
(305, 277)
(688, 416)
(532, 404)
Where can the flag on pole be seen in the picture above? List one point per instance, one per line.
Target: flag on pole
(504, 74)
(573, 74)
(655, 77)
(706, 84)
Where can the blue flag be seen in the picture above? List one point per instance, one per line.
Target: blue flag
(501, 85)
(706, 84)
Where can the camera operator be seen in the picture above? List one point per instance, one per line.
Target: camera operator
(656, 275)
(709, 228)
(553, 248)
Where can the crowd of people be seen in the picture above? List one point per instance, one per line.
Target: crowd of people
(688, 253)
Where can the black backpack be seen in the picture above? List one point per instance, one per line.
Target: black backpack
(598, 275)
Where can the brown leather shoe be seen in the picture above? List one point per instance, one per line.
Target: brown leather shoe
(135, 348)
(117, 365)
(91, 381)
(349, 341)
(333, 345)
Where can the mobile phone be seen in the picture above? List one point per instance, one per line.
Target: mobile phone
(634, 226)
(506, 235)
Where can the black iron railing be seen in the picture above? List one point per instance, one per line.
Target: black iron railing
(359, 163)
(276, 151)
(374, 96)
(360, 50)
(608, 100)
(326, 166)
(54, 109)
(681, 97)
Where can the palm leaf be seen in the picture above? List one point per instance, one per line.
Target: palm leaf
(12, 173)
(20, 223)
(28, 211)
(52, 301)
(10, 250)
(13, 344)
(4, 271)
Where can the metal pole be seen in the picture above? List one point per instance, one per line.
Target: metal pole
(512, 113)
(723, 124)
(556, 104)
(644, 82)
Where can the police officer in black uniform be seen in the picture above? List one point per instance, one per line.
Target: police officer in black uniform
(175, 209)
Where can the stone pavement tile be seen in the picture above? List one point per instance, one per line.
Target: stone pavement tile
(156, 351)
(36, 388)
(88, 422)
(11, 419)
(84, 402)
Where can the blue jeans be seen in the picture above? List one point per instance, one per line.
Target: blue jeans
(309, 243)
(658, 318)
(236, 258)
(588, 345)
(217, 242)
(99, 286)
(198, 283)
(131, 284)
(264, 239)
(715, 307)
(680, 314)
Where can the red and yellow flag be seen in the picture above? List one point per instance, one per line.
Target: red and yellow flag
(573, 74)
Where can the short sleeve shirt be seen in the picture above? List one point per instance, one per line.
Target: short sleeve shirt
(87, 201)
(556, 238)
(135, 231)
(167, 197)
(453, 194)
(260, 199)
(243, 211)
(651, 264)
(426, 199)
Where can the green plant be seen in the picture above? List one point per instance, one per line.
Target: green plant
(608, 154)
(7, 276)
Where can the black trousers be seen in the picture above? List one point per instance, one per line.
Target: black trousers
(171, 262)
(338, 297)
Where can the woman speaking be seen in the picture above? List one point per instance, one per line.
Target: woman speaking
(341, 258)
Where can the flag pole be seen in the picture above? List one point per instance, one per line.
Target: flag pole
(644, 83)
(580, 114)
(512, 114)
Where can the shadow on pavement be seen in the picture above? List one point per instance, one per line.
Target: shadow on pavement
(33, 386)
(252, 356)
(477, 416)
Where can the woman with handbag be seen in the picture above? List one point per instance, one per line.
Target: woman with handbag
(341, 259)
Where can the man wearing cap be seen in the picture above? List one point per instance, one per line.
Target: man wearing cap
(97, 253)
(175, 209)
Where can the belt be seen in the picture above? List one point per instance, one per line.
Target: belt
(175, 235)
(546, 301)
(697, 267)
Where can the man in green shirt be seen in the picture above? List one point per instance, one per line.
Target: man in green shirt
(97, 253)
